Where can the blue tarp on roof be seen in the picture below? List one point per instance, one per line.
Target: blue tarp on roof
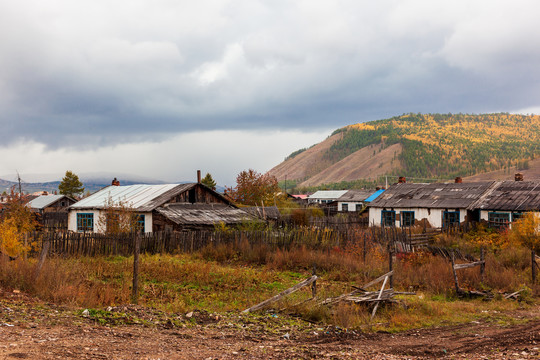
(374, 196)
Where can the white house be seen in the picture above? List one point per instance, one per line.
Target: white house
(439, 204)
(159, 207)
(356, 200)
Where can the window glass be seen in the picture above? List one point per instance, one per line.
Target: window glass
(388, 218)
(498, 220)
(85, 222)
(407, 218)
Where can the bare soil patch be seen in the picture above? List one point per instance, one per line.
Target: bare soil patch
(30, 329)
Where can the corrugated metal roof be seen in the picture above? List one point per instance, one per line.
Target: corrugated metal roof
(43, 201)
(435, 195)
(511, 196)
(142, 198)
(203, 214)
(327, 194)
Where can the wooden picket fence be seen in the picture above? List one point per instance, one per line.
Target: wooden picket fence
(92, 244)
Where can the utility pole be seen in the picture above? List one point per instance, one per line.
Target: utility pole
(20, 186)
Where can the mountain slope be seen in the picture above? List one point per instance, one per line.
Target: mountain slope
(417, 145)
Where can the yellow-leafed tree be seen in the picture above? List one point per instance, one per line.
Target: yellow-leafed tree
(527, 232)
(17, 220)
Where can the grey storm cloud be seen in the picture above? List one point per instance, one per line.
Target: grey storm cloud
(99, 72)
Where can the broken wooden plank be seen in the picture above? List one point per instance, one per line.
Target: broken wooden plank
(377, 280)
(379, 297)
(468, 265)
(282, 294)
(513, 295)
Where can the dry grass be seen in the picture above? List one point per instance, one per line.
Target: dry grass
(234, 277)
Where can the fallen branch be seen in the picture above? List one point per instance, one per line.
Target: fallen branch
(282, 294)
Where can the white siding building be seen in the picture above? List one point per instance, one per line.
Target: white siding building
(438, 204)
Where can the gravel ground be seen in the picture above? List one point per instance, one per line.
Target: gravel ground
(30, 329)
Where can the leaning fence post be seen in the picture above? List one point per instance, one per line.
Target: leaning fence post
(483, 265)
(137, 250)
(458, 291)
(42, 257)
(314, 284)
(533, 266)
(390, 266)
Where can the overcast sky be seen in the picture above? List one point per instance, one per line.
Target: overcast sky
(163, 88)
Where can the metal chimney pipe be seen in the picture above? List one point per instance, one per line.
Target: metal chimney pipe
(199, 176)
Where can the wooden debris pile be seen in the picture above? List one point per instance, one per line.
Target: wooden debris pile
(359, 295)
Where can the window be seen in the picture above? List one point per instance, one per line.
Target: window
(407, 218)
(388, 218)
(85, 222)
(450, 218)
(140, 223)
(517, 216)
(344, 207)
(498, 220)
(359, 207)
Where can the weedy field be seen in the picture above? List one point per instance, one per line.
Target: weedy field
(189, 305)
(231, 278)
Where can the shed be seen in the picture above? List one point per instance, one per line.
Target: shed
(50, 203)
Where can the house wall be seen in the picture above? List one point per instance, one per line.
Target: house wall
(433, 216)
(351, 205)
(99, 225)
(197, 194)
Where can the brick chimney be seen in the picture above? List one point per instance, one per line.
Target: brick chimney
(199, 176)
(458, 180)
(402, 180)
(115, 182)
(518, 177)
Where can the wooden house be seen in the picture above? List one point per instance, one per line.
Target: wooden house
(158, 207)
(50, 203)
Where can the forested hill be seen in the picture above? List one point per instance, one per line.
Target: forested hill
(423, 146)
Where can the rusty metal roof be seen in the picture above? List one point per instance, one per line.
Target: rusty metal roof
(143, 198)
(434, 195)
(511, 196)
(203, 214)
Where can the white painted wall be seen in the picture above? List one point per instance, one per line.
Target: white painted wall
(433, 216)
(351, 206)
(99, 226)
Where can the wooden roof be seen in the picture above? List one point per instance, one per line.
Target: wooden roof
(434, 195)
(203, 214)
(511, 196)
(356, 195)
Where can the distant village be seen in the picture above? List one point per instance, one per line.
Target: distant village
(194, 206)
